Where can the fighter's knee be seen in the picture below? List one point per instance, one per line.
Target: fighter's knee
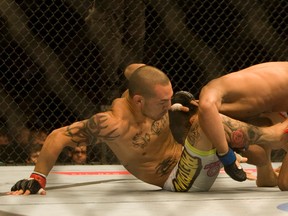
(283, 185)
(257, 156)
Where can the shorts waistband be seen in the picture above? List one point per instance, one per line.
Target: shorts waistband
(197, 151)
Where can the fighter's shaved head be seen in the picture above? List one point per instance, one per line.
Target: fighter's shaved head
(144, 79)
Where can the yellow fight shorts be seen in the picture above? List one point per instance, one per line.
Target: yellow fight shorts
(196, 170)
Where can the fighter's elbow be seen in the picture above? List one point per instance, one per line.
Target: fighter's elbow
(205, 105)
(57, 137)
(56, 132)
(209, 99)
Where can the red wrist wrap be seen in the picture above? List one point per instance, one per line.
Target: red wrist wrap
(39, 178)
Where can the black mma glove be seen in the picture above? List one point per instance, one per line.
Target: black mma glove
(184, 98)
(228, 160)
(33, 184)
(179, 120)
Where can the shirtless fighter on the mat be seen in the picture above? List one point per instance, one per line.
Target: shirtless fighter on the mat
(137, 130)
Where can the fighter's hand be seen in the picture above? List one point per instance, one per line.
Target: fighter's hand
(179, 107)
(181, 101)
(249, 174)
(240, 159)
(34, 185)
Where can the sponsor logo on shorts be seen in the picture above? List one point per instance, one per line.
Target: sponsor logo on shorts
(213, 168)
(189, 168)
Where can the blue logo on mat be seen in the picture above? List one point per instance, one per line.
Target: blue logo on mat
(283, 207)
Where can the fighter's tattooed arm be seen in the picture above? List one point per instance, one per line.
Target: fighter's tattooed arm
(240, 135)
(91, 131)
(193, 135)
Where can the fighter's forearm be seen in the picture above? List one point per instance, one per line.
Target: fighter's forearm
(73, 135)
(51, 149)
(86, 132)
(212, 126)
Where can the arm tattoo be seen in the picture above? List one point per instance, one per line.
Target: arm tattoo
(239, 134)
(89, 131)
(193, 134)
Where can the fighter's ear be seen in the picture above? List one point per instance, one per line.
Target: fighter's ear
(138, 99)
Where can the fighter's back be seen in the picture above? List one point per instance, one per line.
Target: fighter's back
(253, 90)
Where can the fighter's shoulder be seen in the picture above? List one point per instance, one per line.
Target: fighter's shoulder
(118, 112)
(225, 85)
(109, 123)
(119, 108)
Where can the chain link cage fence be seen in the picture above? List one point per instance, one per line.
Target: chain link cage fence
(63, 61)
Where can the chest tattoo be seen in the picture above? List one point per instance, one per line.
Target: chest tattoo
(141, 139)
